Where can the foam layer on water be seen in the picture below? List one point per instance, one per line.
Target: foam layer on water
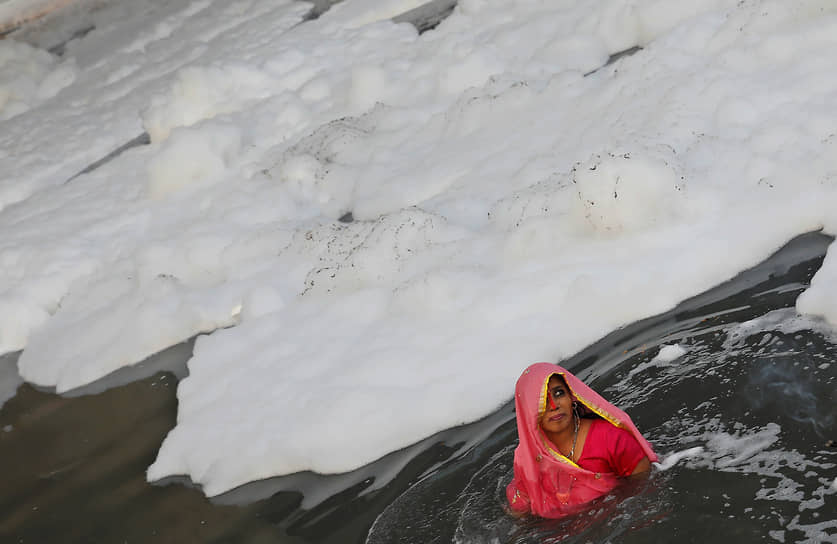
(506, 208)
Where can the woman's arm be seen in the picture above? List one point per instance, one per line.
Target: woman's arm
(642, 468)
(519, 504)
(626, 455)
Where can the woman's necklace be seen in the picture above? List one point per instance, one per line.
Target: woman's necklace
(575, 438)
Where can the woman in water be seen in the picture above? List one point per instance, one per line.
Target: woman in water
(574, 445)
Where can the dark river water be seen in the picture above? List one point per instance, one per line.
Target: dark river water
(743, 420)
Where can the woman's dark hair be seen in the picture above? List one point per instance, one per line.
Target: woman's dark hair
(583, 411)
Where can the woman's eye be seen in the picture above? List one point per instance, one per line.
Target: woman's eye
(557, 393)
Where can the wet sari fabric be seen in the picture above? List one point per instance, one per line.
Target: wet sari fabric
(610, 449)
(547, 483)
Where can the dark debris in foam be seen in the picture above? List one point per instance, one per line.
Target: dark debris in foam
(624, 53)
(59, 49)
(142, 139)
(6, 31)
(427, 16)
(614, 57)
(320, 7)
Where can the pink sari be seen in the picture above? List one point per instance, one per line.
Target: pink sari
(546, 482)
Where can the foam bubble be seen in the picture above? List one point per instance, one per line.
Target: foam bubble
(673, 458)
(193, 157)
(29, 76)
(627, 191)
(669, 353)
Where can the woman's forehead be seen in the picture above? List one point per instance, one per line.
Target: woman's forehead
(556, 380)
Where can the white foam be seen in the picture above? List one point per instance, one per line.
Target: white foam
(507, 208)
(786, 321)
(193, 156)
(200, 93)
(629, 191)
(672, 459)
(28, 77)
(667, 354)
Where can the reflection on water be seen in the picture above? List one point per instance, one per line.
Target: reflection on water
(742, 416)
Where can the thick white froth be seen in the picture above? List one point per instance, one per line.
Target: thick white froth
(514, 198)
(666, 355)
(785, 320)
(821, 299)
(28, 77)
(193, 156)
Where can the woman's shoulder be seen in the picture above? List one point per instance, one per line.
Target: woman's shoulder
(605, 435)
(602, 426)
(618, 446)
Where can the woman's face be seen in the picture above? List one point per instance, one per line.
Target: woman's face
(561, 417)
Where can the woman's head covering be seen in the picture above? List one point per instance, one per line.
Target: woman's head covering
(555, 485)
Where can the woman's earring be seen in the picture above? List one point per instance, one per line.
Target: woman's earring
(575, 409)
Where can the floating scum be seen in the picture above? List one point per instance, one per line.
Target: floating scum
(514, 199)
